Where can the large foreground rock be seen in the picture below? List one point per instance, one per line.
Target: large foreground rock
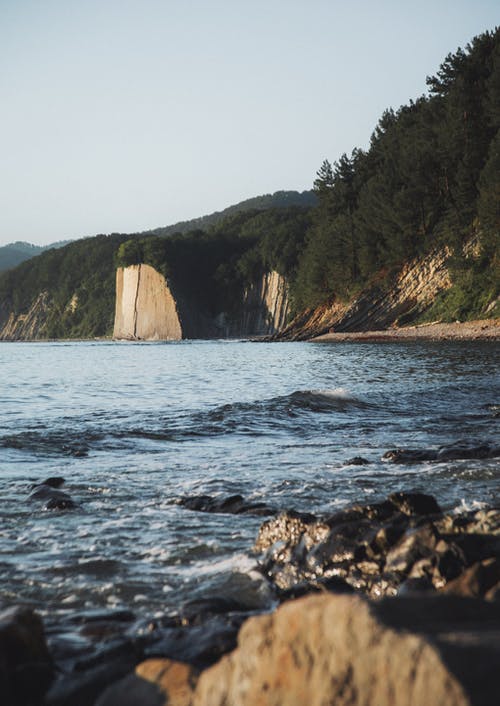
(342, 650)
(26, 668)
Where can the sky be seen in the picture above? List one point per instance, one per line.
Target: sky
(126, 115)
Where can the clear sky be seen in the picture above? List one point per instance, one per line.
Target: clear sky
(124, 115)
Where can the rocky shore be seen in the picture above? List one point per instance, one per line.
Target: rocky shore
(483, 329)
(393, 602)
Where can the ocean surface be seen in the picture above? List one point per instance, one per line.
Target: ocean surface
(133, 427)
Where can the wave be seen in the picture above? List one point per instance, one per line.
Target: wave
(295, 412)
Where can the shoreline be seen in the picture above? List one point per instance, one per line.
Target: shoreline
(478, 330)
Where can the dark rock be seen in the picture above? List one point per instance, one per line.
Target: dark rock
(234, 505)
(26, 668)
(198, 645)
(54, 499)
(415, 503)
(409, 455)
(156, 682)
(52, 482)
(477, 581)
(356, 461)
(289, 527)
(332, 584)
(457, 451)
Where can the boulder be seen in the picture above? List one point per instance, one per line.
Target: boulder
(26, 669)
(342, 650)
(156, 682)
(231, 505)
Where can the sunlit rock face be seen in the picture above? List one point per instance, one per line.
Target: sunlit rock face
(145, 308)
(150, 308)
(29, 326)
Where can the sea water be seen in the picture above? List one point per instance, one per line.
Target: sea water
(134, 427)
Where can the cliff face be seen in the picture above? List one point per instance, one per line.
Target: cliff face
(411, 292)
(149, 308)
(29, 326)
(145, 307)
(263, 311)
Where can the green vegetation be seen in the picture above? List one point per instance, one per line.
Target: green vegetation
(432, 168)
(13, 254)
(222, 261)
(431, 177)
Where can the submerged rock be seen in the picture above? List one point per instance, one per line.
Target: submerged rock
(453, 452)
(49, 492)
(233, 505)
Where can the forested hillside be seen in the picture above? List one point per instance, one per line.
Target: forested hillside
(13, 254)
(430, 178)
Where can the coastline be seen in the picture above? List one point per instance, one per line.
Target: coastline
(481, 329)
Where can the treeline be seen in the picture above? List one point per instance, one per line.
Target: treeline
(221, 262)
(431, 176)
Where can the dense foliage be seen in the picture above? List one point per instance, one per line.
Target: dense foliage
(430, 176)
(221, 262)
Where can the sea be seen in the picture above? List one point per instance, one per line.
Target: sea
(134, 427)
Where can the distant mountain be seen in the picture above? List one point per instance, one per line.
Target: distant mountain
(13, 254)
(280, 199)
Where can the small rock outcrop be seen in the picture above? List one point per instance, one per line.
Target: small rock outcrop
(29, 326)
(399, 546)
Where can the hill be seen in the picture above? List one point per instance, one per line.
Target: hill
(13, 254)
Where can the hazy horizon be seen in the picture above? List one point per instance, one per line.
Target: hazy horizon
(127, 116)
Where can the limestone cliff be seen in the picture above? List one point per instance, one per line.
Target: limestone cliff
(29, 326)
(150, 308)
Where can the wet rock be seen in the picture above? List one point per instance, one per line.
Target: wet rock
(234, 505)
(415, 503)
(356, 461)
(199, 645)
(457, 451)
(156, 682)
(54, 498)
(328, 649)
(289, 527)
(26, 668)
(402, 544)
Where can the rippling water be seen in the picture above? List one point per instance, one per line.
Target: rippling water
(133, 427)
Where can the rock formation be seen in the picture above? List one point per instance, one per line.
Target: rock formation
(412, 291)
(265, 305)
(28, 326)
(145, 307)
(150, 308)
